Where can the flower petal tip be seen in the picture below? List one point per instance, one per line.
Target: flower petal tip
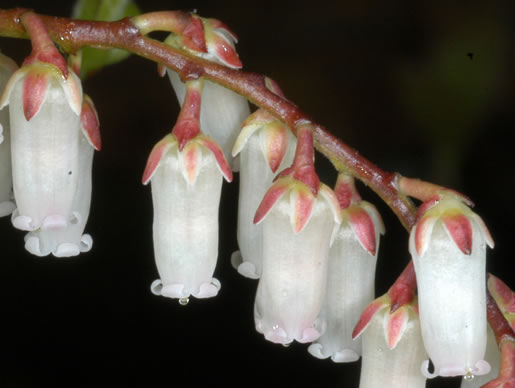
(345, 355)
(208, 290)
(66, 250)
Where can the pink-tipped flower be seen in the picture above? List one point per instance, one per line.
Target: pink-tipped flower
(448, 246)
(186, 170)
(392, 346)
(70, 241)
(7, 68)
(44, 109)
(350, 278)
(265, 146)
(299, 217)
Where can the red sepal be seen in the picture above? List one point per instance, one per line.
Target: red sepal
(193, 35)
(271, 197)
(364, 228)
(460, 229)
(90, 124)
(368, 313)
(34, 91)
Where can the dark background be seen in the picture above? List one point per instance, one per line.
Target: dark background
(422, 88)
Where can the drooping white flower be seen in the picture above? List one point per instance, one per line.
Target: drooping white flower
(299, 217)
(392, 346)
(350, 279)
(7, 68)
(186, 170)
(44, 110)
(448, 246)
(265, 146)
(70, 241)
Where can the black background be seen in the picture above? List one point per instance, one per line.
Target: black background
(92, 321)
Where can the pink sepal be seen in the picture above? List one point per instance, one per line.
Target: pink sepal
(367, 314)
(394, 326)
(193, 35)
(35, 86)
(423, 231)
(219, 40)
(276, 144)
(486, 233)
(217, 152)
(191, 157)
(52, 57)
(273, 194)
(90, 124)
(330, 196)
(364, 228)
(302, 202)
(274, 137)
(460, 229)
(156, 155)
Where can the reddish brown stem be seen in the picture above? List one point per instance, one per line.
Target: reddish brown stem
(73, 34)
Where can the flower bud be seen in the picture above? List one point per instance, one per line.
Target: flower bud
(448, 246)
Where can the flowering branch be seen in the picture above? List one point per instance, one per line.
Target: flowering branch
(71, 35)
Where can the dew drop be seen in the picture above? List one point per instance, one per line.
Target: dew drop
(468, 377)
(184, 301)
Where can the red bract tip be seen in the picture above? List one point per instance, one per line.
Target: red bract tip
(364, 228)
(193, 35)
(90, 124)
(271, 197)
(460, 229)
(367, 315)
(34, 91)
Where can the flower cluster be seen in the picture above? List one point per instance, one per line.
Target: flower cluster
(312, 249)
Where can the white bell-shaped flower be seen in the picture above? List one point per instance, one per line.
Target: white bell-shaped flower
(448, 246)
(265, 146)
(44, 110)
(300, 217)
(392, 346)
(70, 241)
(350, 279)
(186, 188)
(7, 68)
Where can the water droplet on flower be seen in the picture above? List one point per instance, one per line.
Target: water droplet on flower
(184, 301)
(468, 377)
